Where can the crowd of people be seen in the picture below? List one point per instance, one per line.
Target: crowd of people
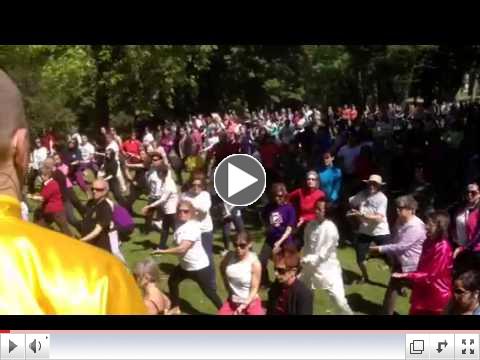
(398, 183)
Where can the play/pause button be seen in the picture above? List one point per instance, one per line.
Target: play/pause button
(13, 346)
(240, 180)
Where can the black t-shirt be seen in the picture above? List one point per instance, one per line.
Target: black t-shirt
(61, 179)
(101, 214)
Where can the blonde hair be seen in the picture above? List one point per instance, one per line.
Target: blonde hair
(147, 269)
(12, 114)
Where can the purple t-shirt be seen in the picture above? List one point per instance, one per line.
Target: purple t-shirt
(278, 218)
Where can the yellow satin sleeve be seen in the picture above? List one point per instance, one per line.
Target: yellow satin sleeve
(45, 272)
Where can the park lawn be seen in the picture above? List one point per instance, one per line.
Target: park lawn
(363, 298)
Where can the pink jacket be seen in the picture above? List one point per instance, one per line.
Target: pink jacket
(432, 282)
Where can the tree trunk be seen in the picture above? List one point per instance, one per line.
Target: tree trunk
(474, 86)
(102, 110)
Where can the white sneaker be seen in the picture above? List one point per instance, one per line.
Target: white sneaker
(157, 224)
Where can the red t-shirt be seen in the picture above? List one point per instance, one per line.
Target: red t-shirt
(132, 147)
(306, 200)
(52, 197)
(268, 154)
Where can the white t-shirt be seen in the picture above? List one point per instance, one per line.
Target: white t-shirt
(195, 258)
(349, 155)
(148, 139)
(87, 151)
(113, 146)
(461, 227)
(39, 155)
(168, 194)
(371, 204)
(202, 202)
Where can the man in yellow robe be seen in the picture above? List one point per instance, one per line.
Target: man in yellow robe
(42, 271)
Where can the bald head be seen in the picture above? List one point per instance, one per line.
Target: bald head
(12, 114)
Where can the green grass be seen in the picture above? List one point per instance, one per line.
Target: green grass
(363, 298)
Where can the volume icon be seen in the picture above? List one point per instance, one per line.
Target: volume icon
(35, 346)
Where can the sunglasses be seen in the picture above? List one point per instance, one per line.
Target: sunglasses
(98, 189)
(241, 246)
(156, 159)
(281, 271)
(472, 192)
(183, 211)
(460, 291)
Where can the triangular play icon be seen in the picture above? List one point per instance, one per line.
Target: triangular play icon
(238, 180)
(11, 346)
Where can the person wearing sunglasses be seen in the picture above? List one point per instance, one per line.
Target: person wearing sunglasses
(432, 281)
(405, 247)
(241, 271)
(154, 185)
(467, 221)
(321, 268)
(288, 295)
(98, 217)
(305, 199)
(202, 202)
(280, 219)
(369, 208)
(71, 277)
(194, 261)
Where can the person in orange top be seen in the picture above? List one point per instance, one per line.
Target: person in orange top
(45, 272)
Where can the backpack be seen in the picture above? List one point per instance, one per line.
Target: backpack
(122, 220)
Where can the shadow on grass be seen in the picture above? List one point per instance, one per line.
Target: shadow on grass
(359, 304)
(217, 249)
(146, 244)
(350, 277)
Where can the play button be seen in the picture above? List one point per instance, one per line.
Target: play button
(11, 346)
(239, 180)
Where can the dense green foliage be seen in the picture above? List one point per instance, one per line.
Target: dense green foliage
(92, 85)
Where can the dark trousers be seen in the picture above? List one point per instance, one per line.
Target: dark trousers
(207, 243)
(201, 277)
(58, 218)
(32, 176)
(70, 215)
(151, 214)
(237, 222)
(117, 192)
(394, 289)
(70, 203)
(168, 222)
(265, 255)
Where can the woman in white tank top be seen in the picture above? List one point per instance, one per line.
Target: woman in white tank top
(241, 273)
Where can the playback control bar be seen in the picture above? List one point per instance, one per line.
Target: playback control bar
(238, 345)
